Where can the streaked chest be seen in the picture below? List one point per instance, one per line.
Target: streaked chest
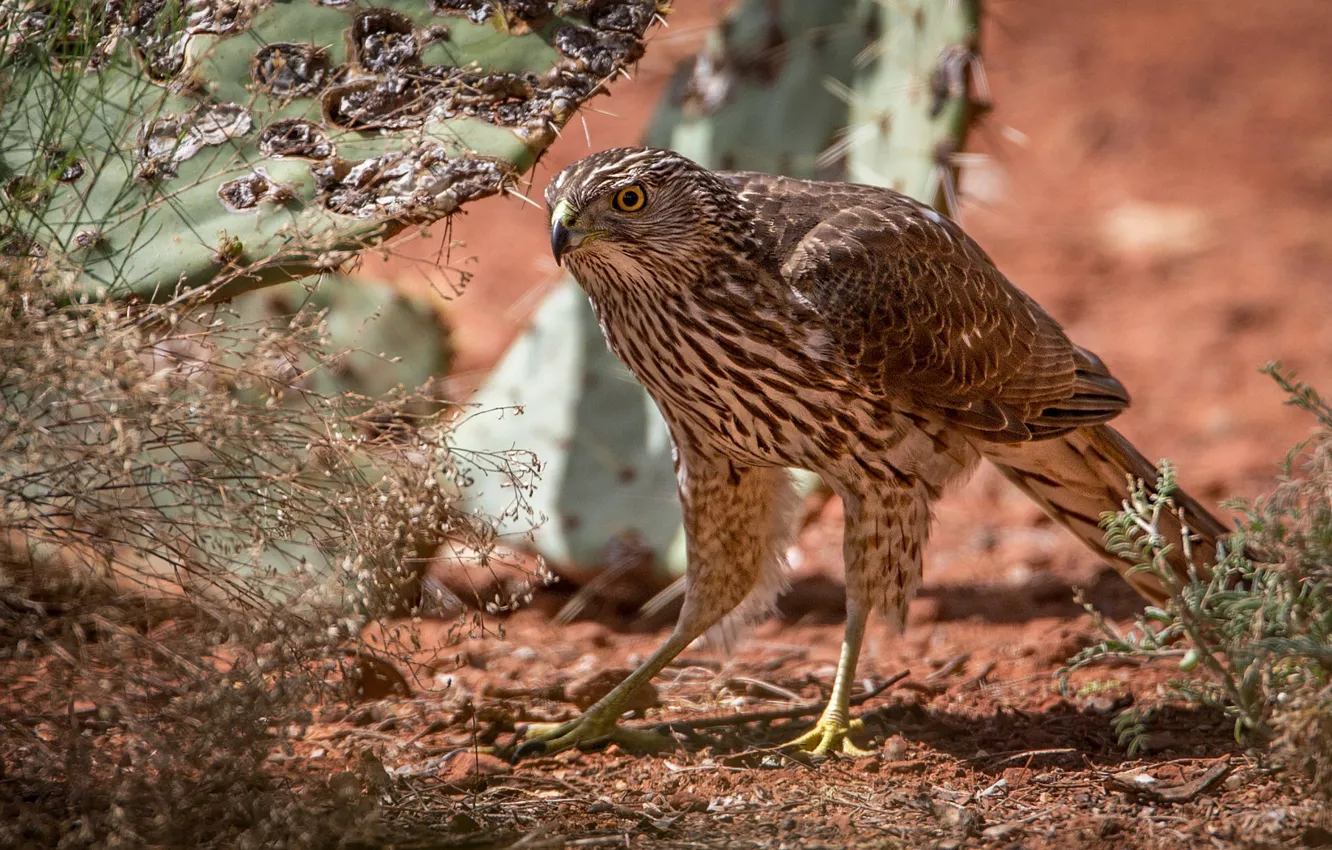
(741, 380)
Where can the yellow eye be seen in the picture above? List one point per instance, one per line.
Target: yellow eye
(630, 198)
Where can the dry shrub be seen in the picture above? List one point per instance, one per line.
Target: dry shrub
(1258, 623)
(190, 542)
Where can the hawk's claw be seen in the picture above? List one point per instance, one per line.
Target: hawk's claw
(587, 733)
(829, 735)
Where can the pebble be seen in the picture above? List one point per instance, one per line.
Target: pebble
(468, 771)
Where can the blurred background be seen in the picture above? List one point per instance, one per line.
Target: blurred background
(1157, 175)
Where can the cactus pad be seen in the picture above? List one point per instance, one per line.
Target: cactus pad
(161, 144)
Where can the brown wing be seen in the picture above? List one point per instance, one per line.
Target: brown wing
(920, 314)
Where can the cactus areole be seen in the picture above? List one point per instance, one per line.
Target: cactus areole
(155, 147)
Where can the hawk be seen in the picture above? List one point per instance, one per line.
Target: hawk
(843, 329)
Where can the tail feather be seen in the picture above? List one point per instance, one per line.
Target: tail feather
(1077, 477)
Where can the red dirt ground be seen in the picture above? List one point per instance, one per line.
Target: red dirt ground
(1159, 176)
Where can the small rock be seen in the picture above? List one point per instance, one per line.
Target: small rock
(964, 822)
(586, 690)
(468, 771)
(683, 801)
(895, 748)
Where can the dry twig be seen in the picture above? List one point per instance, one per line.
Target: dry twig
(796, 713)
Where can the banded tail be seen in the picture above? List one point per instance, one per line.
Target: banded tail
(1077, 477)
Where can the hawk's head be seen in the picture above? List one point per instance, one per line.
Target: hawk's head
(638, 206)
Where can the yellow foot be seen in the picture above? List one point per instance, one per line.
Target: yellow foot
(829, 735)
(589, 732)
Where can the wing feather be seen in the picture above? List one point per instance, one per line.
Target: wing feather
(920, 314)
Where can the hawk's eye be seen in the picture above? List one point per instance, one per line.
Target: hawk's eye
(630, 198)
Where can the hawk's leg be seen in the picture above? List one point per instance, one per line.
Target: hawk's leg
(737, 521)
(833, 730)
(885, 531)
(597, 725)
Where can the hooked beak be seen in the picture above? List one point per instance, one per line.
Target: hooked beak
(562, 238)
(559, 240)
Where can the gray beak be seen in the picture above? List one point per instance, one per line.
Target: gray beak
(559, 239)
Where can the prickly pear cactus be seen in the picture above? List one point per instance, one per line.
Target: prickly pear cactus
(912, 102)
(734, 105)
(156, 145)
(391, 340)
(870, 90)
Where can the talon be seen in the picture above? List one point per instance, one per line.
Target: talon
(587, 733)
(527, 748)
(829, 735)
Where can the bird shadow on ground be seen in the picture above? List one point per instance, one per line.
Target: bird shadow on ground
(1045, 595)
(821, 600)
(1064, 736)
